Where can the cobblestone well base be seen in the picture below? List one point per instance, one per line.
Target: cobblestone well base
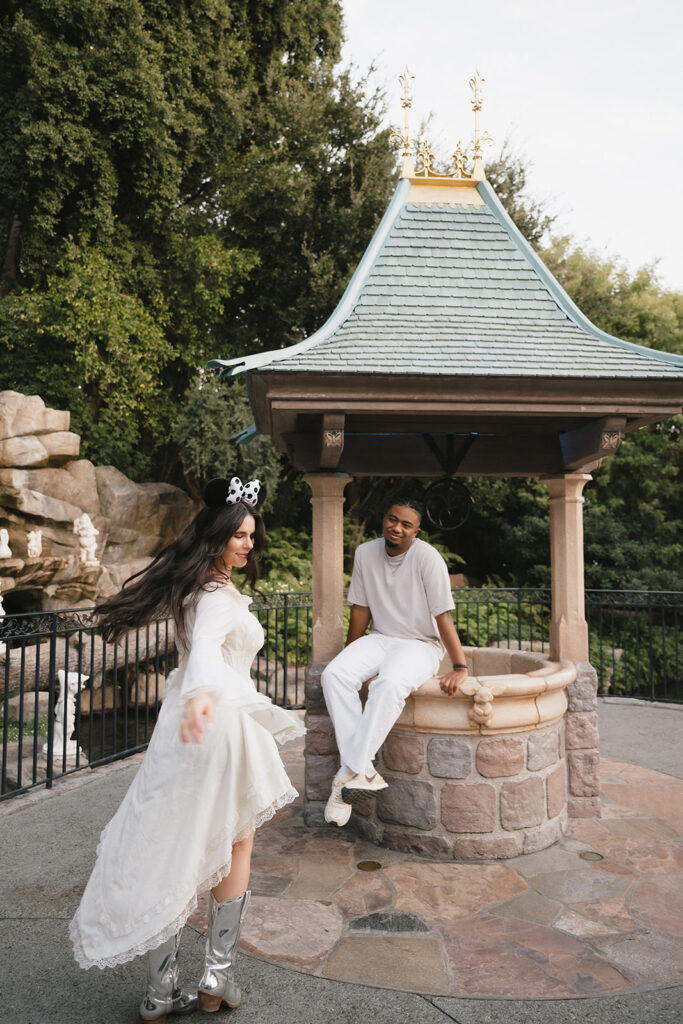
(466, 797)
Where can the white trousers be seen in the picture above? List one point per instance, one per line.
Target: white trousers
(400, 666)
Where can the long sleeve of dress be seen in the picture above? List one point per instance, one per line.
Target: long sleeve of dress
(204, 667)
(222, 630)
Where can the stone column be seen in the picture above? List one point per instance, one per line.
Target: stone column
(327, 499)
(568, 629)
(569, 641)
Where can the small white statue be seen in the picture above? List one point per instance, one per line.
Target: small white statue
(34, 543)
(65, 722)
(5, 551)
(86, 533)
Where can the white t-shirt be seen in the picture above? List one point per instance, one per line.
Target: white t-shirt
(403, 600)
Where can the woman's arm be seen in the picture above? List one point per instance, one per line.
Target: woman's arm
(205, 671)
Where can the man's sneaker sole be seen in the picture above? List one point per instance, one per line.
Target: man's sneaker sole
(337, 814)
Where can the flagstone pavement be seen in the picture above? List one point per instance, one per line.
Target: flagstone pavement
(601, 912)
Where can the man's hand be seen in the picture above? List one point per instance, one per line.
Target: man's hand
(198, 714)
(450, 681)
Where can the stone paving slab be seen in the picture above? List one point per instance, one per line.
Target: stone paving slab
(598, 913)
(47, 844)
(404, 962)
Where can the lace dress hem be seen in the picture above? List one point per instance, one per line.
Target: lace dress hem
(174, 926)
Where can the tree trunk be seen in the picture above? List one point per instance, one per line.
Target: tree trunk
(10, 267)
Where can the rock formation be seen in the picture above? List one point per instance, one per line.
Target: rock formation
(45, 487)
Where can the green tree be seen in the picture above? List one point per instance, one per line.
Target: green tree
(86, 343)
(632, 306)
(214, 411)
(507, 174)
(182, 162)
(307, 203)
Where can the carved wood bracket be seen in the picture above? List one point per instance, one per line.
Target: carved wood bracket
(592, 442)
(331, 440)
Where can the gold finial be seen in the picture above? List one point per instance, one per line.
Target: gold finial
(485, 137)
(425, 154)
(427, 158)
(459, 158)
(408, 169)
(405, 79)
(475, 85)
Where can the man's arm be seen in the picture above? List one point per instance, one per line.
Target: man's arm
(358, 623)
(450, 681)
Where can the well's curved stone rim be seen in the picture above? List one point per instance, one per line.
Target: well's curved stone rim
(506, 691)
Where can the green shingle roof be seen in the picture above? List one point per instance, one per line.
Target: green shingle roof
(453, 290)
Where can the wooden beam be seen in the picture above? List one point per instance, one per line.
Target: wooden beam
(591, 442)
(408, 455)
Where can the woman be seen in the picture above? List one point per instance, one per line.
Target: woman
(211, 774)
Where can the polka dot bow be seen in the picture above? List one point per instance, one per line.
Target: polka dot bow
(248, 493)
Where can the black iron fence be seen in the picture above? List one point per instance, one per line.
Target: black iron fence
(67, 700)
(633, 635)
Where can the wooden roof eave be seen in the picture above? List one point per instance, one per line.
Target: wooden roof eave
(277, 396)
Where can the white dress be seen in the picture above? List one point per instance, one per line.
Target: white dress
(171, 838)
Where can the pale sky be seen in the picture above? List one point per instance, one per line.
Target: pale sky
(590, 92)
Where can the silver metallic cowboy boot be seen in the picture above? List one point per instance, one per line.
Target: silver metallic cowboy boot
(164, 995)
(218, 984)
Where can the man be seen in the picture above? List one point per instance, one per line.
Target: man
(402, 584)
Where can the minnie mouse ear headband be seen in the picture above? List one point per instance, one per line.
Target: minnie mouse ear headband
(223, 492)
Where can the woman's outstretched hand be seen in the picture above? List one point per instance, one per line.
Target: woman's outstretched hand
(198, 714)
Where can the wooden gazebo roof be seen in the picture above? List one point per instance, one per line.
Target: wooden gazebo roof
(453, 336)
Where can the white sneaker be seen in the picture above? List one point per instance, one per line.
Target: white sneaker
(369, 780)
(337, 811)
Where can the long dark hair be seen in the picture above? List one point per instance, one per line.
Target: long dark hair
(189, 563)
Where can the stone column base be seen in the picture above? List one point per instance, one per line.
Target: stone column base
(582, 743)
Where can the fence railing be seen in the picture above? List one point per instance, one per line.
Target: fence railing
(68, 700)
(633, 635)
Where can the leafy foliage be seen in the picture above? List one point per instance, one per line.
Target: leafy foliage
(199, 171)
(286, 563)
(507, 175)
(631, 306)
(213, 412)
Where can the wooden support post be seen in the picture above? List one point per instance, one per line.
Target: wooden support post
(327, 499)
(568, 630)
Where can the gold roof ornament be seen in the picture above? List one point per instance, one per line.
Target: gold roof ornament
(425, 155)
(408, 169)
(479, 138)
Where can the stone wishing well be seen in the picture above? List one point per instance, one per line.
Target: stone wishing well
(490, 773)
